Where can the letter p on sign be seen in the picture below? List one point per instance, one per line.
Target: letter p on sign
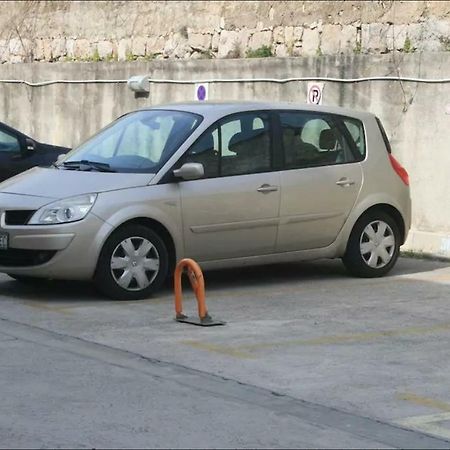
(315, 93)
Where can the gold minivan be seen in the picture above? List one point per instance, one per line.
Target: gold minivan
(227, 184)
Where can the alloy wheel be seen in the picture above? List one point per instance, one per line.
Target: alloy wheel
(377, 244)
(135, 263)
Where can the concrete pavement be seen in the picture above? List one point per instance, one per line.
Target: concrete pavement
(309, 358)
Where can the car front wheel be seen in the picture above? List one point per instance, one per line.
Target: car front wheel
(132, 264)
(373, 246)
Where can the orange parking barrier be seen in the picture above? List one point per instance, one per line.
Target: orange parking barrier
(195, 276)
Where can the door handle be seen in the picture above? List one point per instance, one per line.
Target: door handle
(345, 182)
(265, 188)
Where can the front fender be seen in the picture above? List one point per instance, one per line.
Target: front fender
(160, 203)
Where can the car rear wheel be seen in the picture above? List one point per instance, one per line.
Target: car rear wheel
(133, 264)
(373, 246)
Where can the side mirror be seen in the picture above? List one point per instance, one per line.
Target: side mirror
(60, 157)
(30, 145)
(190, 171)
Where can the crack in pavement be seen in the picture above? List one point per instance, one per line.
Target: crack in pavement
(227, 388)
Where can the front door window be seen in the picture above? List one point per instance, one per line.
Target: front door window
(238, 145)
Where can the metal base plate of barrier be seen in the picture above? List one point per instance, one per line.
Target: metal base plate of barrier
(207, 321)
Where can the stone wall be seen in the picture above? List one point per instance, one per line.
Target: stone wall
(129, 30)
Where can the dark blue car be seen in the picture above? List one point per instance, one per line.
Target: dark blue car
(19, 152)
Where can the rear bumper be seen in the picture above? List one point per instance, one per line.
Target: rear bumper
(407, 217)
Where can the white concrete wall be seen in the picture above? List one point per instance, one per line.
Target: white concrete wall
(413, 114)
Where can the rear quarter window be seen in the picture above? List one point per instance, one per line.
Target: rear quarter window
(356, 132)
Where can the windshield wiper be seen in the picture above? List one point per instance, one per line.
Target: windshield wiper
(86, 165)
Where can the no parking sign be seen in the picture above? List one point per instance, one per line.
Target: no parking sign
(201, 92)
(315, 93)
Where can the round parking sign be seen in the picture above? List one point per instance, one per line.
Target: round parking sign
(314, 96)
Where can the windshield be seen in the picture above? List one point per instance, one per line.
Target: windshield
(138, 142)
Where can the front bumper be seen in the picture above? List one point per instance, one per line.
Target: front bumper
(64, 251)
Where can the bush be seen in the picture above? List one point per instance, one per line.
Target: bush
(407, 46)
(262, 52)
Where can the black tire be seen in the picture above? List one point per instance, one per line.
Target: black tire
(355, 262)
(104, 277)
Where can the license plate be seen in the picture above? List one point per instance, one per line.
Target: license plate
(3, 241)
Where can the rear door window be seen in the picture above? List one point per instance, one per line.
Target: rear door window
(311, 140)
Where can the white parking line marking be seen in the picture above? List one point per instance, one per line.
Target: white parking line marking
(428, 424)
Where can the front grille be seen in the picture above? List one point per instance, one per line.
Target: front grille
(15, 257)
(18, 216)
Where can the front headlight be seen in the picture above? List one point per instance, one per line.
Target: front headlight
(64, 211)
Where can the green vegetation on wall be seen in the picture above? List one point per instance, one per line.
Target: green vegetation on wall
(262, 52)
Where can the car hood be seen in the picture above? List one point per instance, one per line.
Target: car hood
(54, 183)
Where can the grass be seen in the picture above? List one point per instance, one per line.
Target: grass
(358, 48)
(445, 41)
(407, 46)
(262, 52)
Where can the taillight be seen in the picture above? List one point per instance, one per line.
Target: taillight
(399, 169)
